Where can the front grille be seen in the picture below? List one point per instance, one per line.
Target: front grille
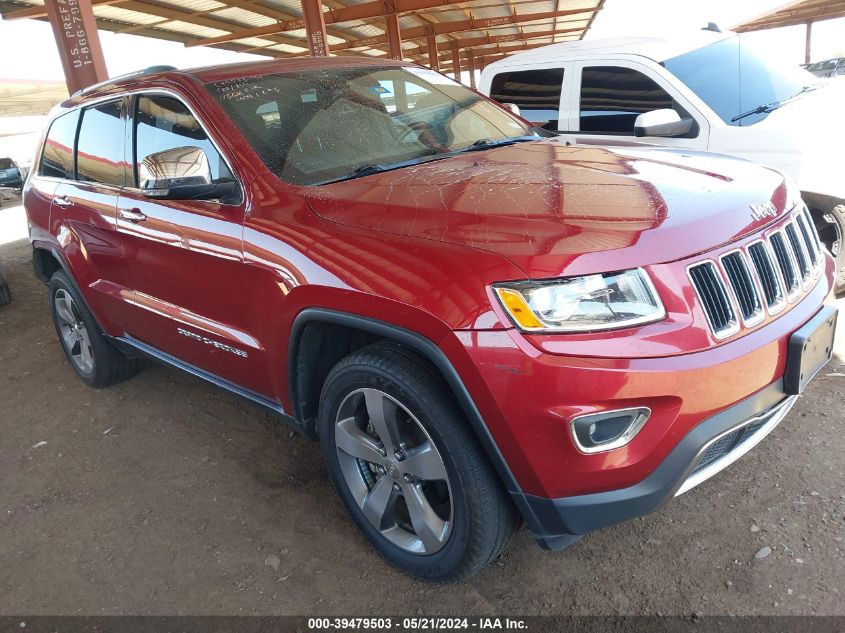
(789, 258)
(711, 292)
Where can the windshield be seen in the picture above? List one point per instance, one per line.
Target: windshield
(733, 78)
(6, 163)
(323, 125)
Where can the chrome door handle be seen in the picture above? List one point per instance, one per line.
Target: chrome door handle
(63, 201)
(131, 215)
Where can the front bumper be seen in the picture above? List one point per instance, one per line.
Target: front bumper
(710, 447)
(705, 450)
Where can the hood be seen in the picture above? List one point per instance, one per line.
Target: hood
(554, 209)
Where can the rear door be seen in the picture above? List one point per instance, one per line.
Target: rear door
(608, 95)
(191, 285)
(82, 215)
(53, 165)
(538, 92)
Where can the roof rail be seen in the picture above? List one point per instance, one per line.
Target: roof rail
(162, 68)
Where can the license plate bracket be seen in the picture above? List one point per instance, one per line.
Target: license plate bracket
(810, 349)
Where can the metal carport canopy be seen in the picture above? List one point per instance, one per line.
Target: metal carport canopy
(409, 29)
(795, 13)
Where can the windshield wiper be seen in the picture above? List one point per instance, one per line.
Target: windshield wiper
(377, 168)
(489, 143)
(774, 105)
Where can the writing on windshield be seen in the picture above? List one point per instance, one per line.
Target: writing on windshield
(312, 127)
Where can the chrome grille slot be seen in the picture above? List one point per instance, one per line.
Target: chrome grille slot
(743, 286)
(714, 299)
(801, 257)
(786, 263)
(764, 264)
(740, 287)
(808, 235)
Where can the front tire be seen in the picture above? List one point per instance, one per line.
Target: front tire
(407, 467)
(834, 234)
(94, 359)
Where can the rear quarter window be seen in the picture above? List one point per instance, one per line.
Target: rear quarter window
(57, 156)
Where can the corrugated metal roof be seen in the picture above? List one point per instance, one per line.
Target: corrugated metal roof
(230, 23)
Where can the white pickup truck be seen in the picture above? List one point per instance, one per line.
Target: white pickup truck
(703, 91)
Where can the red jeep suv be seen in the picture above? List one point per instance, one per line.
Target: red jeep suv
(481, 324)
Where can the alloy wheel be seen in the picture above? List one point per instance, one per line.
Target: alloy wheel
(73, 332)
(394, 471)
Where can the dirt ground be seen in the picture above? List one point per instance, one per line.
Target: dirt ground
(165, 495)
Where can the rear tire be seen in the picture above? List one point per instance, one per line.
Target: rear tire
(94, 359)
(382, 412)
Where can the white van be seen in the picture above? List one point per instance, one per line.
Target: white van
(706, 91)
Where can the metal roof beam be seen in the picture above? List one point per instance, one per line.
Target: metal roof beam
(379, 8)
(40, 10)
(496, 50)
(470, 42)
(445, 28)
(794, 14)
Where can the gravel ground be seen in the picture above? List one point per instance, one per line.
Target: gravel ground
(164, 495)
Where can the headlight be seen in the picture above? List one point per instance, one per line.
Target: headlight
(581, 304)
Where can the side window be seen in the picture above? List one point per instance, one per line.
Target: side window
(57, 156)
(536, 92)
(99, 149)
(163, 123)
(612, 97)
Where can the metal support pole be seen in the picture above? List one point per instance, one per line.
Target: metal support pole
(433, 58)
(315, 27)
(78, 40)
(394, 37)
(809, 43)
(471, 68)
(456, 61)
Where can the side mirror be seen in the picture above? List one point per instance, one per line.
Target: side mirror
(664, 123)
(181, 173)
(513, 108)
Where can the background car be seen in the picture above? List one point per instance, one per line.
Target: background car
(705, 91)
(12, 176)
(828, 67)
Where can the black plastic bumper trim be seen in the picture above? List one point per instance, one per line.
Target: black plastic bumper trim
(560, 522)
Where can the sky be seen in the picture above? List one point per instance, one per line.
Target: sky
(665, 18)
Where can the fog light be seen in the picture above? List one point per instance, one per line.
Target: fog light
(597, 432)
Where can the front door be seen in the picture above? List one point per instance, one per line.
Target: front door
(191, 284)
(607, 97)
